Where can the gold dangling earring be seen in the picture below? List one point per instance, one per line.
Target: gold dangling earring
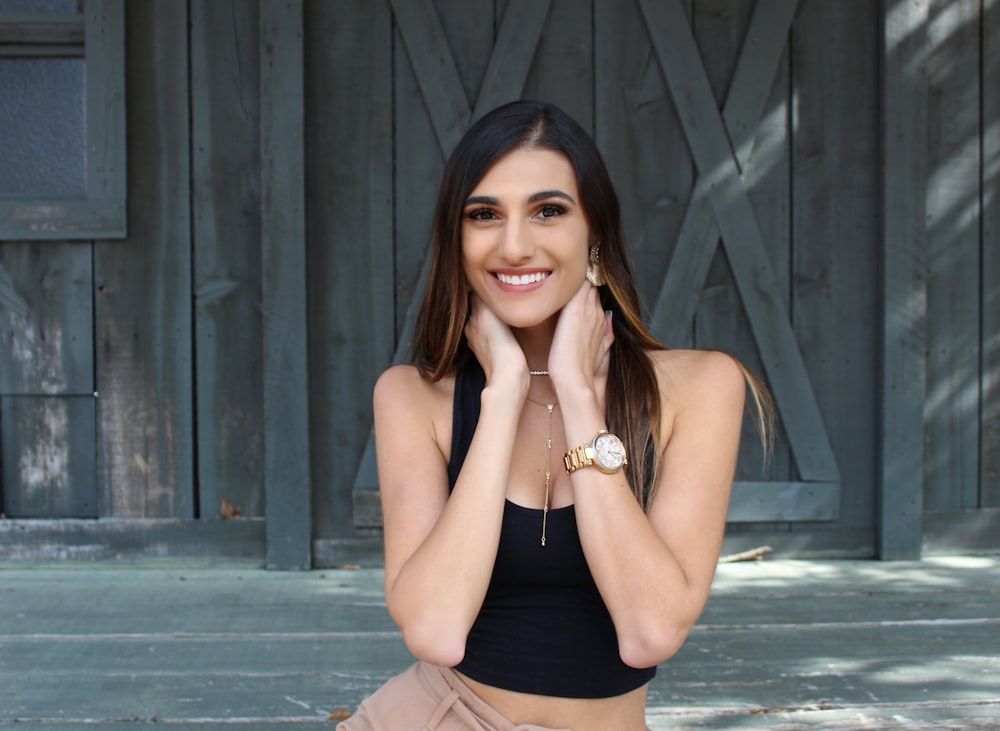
(594, 274)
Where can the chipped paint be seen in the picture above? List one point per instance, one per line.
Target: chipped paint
(44, 465)
(39, 351)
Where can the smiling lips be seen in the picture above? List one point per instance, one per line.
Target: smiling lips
(521, 280)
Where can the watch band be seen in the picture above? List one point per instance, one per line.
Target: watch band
(582, 456)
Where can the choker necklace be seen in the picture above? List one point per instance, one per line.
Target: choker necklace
(539, 373)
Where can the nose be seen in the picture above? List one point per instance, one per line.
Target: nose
(517, 244)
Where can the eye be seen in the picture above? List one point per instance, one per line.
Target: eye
(550, 210)
(481, 214)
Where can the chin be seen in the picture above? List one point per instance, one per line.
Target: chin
(528, 322)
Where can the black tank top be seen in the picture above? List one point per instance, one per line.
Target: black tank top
(543, 627)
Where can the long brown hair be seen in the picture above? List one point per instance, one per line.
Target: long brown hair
(439, 345)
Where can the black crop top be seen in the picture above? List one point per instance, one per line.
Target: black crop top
(543, 627)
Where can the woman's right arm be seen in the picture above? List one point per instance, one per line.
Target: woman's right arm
(439, 550)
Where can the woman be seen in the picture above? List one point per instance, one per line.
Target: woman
(554, 481)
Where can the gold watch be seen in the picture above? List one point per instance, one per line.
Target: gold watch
(605, 452)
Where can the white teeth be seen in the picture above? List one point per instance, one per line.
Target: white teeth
(521, 279)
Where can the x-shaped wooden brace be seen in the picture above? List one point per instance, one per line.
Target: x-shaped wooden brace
(721, 146)
(451, 114)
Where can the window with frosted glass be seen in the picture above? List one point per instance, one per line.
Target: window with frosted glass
(62, 119)
(42, 129)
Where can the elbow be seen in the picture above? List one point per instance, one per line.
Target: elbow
(651, 646)
(436, 646)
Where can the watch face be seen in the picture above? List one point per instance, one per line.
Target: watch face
(609, 451)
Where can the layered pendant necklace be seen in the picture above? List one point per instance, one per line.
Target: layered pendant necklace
(548, 458)
(548, 473)
(548, 467)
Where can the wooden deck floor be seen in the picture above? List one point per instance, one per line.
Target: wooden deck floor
(782, 645)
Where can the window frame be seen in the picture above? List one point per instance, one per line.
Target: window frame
(98, 36)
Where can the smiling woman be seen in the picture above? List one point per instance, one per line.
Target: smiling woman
(534, 597)
(523, 233)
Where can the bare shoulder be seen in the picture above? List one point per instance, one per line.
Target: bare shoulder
(404, 381)
(699, 378)
(402, 396)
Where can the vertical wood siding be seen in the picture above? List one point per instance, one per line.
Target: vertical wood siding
(47, 456)
(350, 219)
(47, 440)
(953, 252)
(835, 231)
(226, 232)
(144, 338)
(904, 295)
(990, 399)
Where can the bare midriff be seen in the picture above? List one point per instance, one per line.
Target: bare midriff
(623, 712)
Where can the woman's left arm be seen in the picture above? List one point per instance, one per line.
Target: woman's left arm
(654, 569)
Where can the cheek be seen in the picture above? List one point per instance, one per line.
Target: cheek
(472, 274)
(475, 250)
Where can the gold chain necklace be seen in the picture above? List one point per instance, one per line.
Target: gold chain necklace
(548, 467)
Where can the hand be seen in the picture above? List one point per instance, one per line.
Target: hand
(494, 346)
(580, 356)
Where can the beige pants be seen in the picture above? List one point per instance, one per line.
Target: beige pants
(426, 697)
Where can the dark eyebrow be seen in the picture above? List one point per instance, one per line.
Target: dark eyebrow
(484, 200)
(542, 195)
(533, 198)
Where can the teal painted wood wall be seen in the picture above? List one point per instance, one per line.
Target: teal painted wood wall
(143, 379)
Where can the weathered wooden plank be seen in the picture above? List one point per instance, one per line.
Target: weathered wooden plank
(42, 29)
(226, 220)
(239, 698)
(953, 180)
(421, 121)
(760, 67)
(352, 332)
(57, 220)
(560, 59)
(741, 236)
(211, 723)
(47, 457)
(836, 234)
(783, 501)
(365, 550)
(435, 69)
(143, 288)
(46, 319)
(170, 612)
(961, 532)
(745, 59)
(904, 295)
(106, 135)
(751, 502)
(124, 539)
(419, 124)
(990, 398)
(283, 261)
(641, 139)
(862, 662)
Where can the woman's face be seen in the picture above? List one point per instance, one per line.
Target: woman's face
(525, 237)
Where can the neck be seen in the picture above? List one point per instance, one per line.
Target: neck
(535, 342)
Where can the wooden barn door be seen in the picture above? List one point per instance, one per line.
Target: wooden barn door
(443, 78)
(721, 138)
